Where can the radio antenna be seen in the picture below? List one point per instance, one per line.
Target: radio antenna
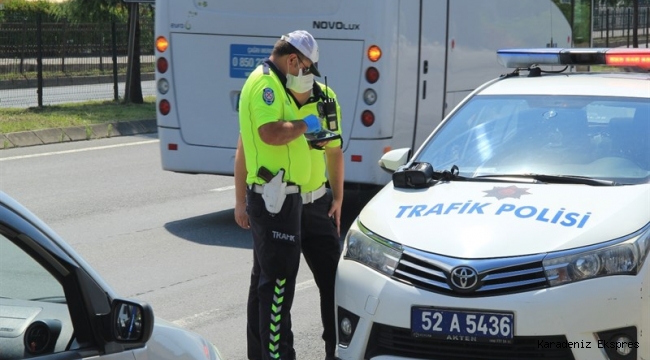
(326, 95)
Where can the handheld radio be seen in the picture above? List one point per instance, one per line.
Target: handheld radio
(329, 108)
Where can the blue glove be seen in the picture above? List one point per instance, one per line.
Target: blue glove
(313, 124)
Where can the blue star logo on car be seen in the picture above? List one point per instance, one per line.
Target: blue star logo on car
(506, 192)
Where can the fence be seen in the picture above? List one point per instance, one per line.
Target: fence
(80, 54)
(614, 26)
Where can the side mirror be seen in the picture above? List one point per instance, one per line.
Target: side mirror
(393, 159)
(131, 322)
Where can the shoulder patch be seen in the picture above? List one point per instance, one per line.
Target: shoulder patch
(268, 96)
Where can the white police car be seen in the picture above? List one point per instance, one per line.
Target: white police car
(519, 230)
(53, 305)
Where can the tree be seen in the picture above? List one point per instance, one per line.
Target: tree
(107, 10)
(133, 92)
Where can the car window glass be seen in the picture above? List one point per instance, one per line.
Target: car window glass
(22, 277)
(597, 137)
(34, 315)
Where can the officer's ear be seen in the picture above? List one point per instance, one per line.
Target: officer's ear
(290, 61)
(295, 60)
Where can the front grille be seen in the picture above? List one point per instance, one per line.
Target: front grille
(393, 341)
(497, 276)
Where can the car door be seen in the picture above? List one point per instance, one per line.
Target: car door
(43, 313)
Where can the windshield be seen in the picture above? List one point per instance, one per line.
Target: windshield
(595, 137)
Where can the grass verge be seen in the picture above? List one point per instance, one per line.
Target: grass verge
(74, 114)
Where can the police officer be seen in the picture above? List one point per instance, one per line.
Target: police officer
(321, 208)
(277, 165)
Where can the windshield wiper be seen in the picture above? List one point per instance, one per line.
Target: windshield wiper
(556, 179)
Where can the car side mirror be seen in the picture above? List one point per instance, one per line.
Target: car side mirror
(393, 159)
(131, 322)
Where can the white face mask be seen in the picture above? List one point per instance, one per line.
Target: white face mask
(301, 83)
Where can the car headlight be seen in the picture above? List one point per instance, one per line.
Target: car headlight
(621, 257)
(371, 250)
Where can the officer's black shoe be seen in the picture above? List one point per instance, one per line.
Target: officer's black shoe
(331, 358)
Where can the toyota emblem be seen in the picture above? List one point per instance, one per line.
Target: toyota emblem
(463, 278)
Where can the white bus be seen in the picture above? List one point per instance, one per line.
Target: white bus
(397, 66)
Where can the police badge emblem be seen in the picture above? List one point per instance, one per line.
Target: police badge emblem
(268, 96)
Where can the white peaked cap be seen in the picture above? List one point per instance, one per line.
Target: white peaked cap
(306, 44)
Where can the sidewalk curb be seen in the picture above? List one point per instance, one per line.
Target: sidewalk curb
(77, 133)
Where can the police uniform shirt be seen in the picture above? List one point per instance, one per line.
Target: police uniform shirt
(264, 99)
(318, 164)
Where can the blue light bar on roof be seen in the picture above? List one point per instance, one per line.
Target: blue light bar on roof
(525, 58)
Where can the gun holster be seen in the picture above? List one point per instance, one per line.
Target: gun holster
(274, 193)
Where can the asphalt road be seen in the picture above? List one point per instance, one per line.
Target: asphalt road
(169, 239)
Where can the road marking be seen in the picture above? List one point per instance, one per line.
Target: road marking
(77, 150)
(305, 285)
(225, 188)
(188, 321)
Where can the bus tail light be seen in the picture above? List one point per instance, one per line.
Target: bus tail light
(163, 86)
(374, 53)
(164, 107)
(356, 158)
(372, 75)
(162, 44)
(369, 96)
(367, 118)
(162, 65)
(172, 146)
